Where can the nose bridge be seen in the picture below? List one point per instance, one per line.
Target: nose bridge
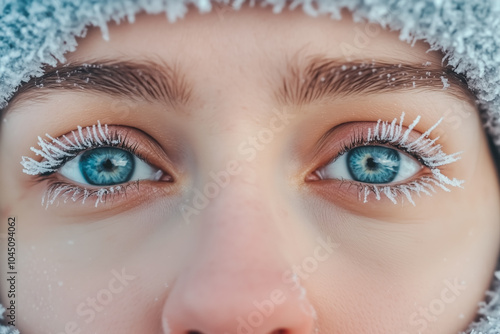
(244, 198)
(228, 196)
(234, 283)
(239, 231)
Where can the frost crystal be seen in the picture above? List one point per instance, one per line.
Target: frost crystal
(445, 82)
(56, 151)
(430, 153)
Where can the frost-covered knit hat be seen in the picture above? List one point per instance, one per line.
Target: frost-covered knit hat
(36, 33)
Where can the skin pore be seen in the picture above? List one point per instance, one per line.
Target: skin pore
(273, 248)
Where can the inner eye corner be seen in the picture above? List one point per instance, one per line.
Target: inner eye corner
(166, 177)
(312, 176)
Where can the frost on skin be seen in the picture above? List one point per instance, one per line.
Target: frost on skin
(56, 151)
(430, 153)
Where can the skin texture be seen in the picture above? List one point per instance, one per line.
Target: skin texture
(227, 267)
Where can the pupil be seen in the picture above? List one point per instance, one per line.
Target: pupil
(371, 164)
(108, 165)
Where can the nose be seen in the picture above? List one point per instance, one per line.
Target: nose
(234, 283)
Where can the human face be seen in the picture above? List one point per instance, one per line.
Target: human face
(256, 211)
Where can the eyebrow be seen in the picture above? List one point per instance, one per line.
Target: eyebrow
(140, 80)
(323, 78)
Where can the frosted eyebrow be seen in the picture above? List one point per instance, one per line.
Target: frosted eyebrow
(320, 79)
(327, 78)
(142, 80)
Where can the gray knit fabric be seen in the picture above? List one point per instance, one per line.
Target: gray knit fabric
(36, 32)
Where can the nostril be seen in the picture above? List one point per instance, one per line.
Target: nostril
(194, 332)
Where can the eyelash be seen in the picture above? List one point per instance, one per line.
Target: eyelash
(423, 149)
(56, 153)
(69, 191)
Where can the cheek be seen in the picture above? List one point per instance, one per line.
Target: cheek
(381, 288)
(94, 277)
(349, 300)
(384, 305)
(55, 300)
(413, 273)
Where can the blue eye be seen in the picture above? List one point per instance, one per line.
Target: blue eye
(107, 166)
(371, 164)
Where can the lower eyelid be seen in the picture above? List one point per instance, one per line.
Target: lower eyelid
(74, 200)
(361, 198)
(59, 190)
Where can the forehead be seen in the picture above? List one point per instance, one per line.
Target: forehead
(249, 38)
(248, 59)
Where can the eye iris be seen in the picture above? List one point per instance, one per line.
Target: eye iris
(107, 166)
(373, 164)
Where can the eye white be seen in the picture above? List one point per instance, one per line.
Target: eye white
(338, 169)
(142, 170)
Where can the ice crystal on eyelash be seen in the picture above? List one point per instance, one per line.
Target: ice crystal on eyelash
(445, 82)
(429, 152)
(67, 192)
(55, 151)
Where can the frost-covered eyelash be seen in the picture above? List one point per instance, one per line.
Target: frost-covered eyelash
(67, 191)
(430, 154)
(55, 152)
